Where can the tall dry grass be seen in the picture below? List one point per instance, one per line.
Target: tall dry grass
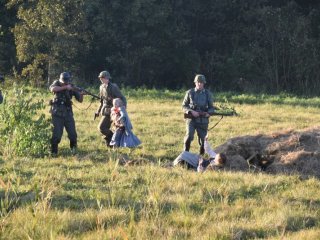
(93, 195)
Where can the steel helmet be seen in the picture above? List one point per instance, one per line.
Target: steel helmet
(104, 74)
(200, 78)
(65, 77)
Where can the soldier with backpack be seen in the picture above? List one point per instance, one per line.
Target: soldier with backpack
(198, 107)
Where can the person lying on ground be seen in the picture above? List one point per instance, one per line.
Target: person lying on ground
(197, 162)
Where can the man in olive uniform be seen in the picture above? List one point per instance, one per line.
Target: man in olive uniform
(61, 111)
(198, 105)
(108, 92)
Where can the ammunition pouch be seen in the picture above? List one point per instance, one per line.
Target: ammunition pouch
(59, 107)
(57, 101)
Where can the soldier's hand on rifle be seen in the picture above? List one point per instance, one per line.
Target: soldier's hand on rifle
(83, 92)
(206, 114)
(195, 113)
(69, 87)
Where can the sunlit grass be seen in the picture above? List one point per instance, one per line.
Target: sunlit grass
(94, 196)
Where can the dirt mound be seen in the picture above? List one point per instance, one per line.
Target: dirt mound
(280, 152)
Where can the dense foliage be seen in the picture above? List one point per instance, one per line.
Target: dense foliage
(264, 45)
(25, 131)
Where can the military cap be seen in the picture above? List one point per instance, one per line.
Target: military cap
(200, 78)
(104, 74)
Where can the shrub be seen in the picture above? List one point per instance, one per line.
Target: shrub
(25, 131)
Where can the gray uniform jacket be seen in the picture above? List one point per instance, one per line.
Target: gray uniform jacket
(198, 100)
(61, 105)
(107, 94)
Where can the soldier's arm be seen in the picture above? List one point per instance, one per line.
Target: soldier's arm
(54, 88)
(186, 106)
(100, 107)
(186, 103)
(101, 103)
(210, 103)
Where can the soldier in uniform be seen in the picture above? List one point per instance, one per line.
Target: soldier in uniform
(108, 92)
(61, 111)
(198, 104)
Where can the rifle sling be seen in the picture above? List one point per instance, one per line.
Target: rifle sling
(215, 124)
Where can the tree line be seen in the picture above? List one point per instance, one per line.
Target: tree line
(240, 45)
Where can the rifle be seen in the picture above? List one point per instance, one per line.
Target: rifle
(202, 114)
(80, 89)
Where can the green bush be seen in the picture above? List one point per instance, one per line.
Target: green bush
(25, 131)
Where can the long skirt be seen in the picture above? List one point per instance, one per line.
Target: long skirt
(121, 138)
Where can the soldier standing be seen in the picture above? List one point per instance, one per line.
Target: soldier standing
(198, 104)
(61, 111)
(108, 92)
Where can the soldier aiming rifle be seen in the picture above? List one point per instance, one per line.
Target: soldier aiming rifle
(61, 111)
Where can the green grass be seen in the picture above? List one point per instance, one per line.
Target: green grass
(93, 196)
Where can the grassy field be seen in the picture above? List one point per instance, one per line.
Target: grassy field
(93, 196)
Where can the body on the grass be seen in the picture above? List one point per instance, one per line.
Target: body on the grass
(108, 92)
(197, 162)
(198, 103)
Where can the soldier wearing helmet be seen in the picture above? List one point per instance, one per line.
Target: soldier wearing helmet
(61, 111)
(108, 92)
(197, 103)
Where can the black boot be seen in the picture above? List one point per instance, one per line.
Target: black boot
(73, 144)
(187, 146)
(54, 149)
(201, 151)
(108, 138)
(73, 147)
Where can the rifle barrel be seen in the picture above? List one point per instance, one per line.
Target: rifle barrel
(224, 114)
(80, 89)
